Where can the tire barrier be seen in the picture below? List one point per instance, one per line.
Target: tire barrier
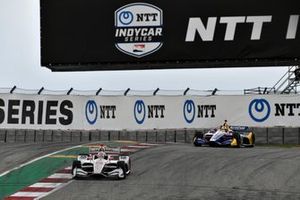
(275, 135)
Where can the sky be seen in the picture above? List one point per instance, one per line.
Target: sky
(20, 64)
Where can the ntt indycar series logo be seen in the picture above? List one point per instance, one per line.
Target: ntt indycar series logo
(138, 29)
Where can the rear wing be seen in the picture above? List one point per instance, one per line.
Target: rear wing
(239, 128)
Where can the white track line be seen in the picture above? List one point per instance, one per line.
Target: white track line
(39, 158)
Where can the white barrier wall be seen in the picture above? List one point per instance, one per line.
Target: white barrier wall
(146, 112)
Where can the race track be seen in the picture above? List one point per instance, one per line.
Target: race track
(181, 171)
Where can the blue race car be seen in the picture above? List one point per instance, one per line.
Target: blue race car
(235, 136)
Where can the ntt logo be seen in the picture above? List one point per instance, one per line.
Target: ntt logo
(91, 112)
(139, 111)
(259, 110)
(189, 111)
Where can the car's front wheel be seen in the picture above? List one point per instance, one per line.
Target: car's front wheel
(75, 166)
(122, 167)
(237, 136)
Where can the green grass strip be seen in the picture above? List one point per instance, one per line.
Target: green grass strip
(32, 173)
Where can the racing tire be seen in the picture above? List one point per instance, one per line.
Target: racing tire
(198, 135)
(194, 142)
(76, 164)
(128, 167)
(253, 140)
(237, 136)
(122, 166)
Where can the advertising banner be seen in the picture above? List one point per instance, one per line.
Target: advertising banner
(79, 35)
(146, 112)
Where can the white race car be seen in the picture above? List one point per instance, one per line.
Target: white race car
(98, 162)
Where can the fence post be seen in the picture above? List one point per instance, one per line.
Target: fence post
(267, 134)
(185, 135)
(90, 136)
(298, 135)
(175, 136)
(146, 136)
(52, 136)
(156, 136)
(62, 135)
(5, 136)
(80, 136)
(25, 135)
(136, 135)
(34, 136)
(283, 133)
(166, 136)
(108, 135)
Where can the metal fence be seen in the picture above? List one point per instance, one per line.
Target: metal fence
(276, 135)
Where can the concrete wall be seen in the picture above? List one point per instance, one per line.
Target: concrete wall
(276, 135)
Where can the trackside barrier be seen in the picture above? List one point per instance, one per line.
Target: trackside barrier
(277, 135)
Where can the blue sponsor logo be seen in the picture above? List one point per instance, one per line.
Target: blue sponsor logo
(91, 112)
(139, 111)
(126, 17)
(259, 110)
(189, 111)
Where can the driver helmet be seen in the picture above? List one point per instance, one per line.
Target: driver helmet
(102, 148)
(101, 154)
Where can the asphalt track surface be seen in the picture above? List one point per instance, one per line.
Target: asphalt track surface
(14, 154)
(181, 171)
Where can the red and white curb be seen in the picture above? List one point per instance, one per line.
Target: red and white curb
(61, 178)
(136, 147)
(44, 187)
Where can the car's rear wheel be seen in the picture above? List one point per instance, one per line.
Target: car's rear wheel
(196, 144)
(253, 140)
(196, 136)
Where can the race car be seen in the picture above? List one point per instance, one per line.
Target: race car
(100, 162)
(235, 136)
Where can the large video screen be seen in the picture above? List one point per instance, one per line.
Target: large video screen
(80, 35)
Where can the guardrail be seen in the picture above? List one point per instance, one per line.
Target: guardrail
(275, 135)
